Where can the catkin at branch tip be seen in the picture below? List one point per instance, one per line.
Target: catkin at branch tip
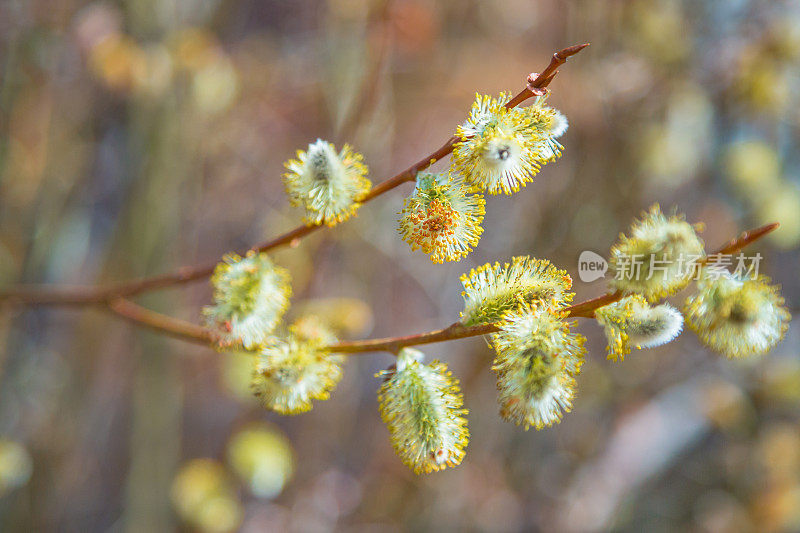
(737, 316)
(501, 149)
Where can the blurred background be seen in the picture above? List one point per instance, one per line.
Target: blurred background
(137, 136)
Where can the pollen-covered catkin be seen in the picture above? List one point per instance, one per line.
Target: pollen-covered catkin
(658, 258)
(442, 218)
(289, 373)
(423, 408)
(327, 184)
(633, 322)
(536, 364)
(493, 289)
(501, 149)
(737, 316)
(251, 295)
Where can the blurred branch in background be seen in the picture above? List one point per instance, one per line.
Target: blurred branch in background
(379, 37)
(661, 430)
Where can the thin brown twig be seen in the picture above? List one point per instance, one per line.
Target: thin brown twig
(192, 332)
(174, 327)
(91, 295)
(586, 309)
(744, 239)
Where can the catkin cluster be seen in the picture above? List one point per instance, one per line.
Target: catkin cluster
(526, 300)
(500, 151)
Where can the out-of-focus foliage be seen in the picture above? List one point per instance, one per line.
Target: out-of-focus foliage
(262, 457)
(204, 497)
(15, 466)
(140, 135)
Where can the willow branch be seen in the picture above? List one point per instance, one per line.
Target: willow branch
(584, 309)
(192, 332)
(173, 327)
(744, 239)
(90, 295)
